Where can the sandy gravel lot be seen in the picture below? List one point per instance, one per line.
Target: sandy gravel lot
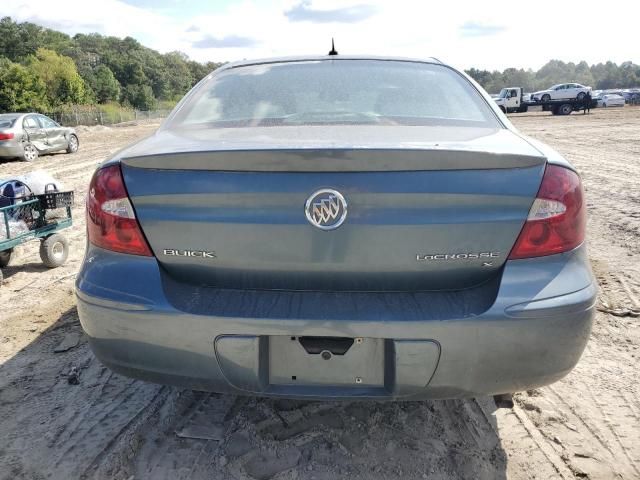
(108, 426)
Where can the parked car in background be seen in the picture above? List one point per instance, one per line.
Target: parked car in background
(631, 95)
(611, 100)
(27, 135)
(562, 91)
(338, 227)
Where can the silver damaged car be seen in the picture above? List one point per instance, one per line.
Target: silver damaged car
(27, 135)
(338, 227)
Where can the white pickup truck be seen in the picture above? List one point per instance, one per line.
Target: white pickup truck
(512, 99)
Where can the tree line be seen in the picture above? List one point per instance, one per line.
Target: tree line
(46, 70)
(600, 76)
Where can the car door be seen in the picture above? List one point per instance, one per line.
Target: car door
(55, 133)
(564, 91)
(570, 91)
(35, 133)
(514, 98)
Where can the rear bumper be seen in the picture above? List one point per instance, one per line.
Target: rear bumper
(533, 333)
(10, 150)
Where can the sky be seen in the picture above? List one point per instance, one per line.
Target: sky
(490, 34)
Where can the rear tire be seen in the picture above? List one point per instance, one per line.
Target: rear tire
(5, 258)
(73, 145)
(565, 109)
(54, 250)
(581, 95)
(30, 152)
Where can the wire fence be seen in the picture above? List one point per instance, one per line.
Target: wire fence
(100, 117)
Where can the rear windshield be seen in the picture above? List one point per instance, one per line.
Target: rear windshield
(7, 121)
(330, 92)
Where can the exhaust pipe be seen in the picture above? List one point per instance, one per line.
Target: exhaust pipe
(504, 400)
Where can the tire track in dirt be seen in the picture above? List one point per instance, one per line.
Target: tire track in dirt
(591, 416)
(612, 429)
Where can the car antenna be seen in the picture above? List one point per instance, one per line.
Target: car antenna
(333, 49)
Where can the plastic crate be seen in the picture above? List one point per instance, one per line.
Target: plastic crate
(52, 200)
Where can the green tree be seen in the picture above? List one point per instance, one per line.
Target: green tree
(628, 75)
(63, 83)
(20, 89)
(607, 75)
(583, 74)
(54, 40)
(178, 74)
(483, 77)
(139, 96)
(134, 66)
(17, 40)
(106, 87)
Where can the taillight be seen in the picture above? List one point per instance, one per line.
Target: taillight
(111, 220)
(557, 219)
(6, 135)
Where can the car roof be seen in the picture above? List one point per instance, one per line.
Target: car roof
(316, 58)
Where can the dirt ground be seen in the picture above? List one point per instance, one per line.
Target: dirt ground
(108, 426)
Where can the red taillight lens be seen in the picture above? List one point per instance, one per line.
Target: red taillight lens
(557, 219)
(6, 135)
(111, 220)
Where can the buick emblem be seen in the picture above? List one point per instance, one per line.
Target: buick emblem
(326, 209)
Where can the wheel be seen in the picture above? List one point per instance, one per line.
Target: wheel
(504, 110)
(73, 144)
(546, 97)
(565, 109)
(30, 152)
(581, 95)
(54, 250)
(5, 257)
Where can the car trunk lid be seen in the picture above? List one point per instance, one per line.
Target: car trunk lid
(429, 208)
